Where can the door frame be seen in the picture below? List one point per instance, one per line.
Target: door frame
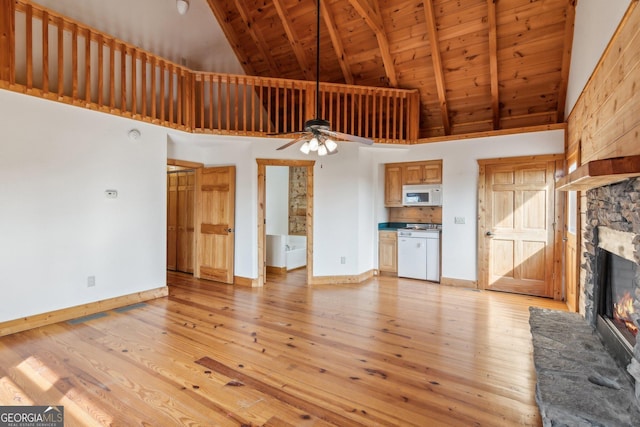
(262, 198)
(176, 164)
(557, 215)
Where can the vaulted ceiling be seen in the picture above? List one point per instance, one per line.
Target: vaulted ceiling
(479, 65)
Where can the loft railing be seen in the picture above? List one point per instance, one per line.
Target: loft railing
(54, 57)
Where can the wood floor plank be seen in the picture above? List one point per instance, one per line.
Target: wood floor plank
(386, 352)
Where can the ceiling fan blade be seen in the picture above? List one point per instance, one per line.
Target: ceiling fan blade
(346, 136)
(293, 141)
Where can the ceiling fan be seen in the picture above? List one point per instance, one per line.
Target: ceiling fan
(317, 134)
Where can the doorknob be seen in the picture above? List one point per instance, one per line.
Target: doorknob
(489, 233)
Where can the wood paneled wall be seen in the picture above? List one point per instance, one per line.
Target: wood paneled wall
(605, 121)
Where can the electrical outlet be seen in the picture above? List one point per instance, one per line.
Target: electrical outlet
(459, 220)
(343, 260)
(91, 281)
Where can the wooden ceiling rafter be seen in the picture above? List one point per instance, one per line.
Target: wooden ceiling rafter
(336, 41)
(256, 35)
(493, 62)
(230, 34)
(293, 40)
(438, 69)
(373, 18)
(566, 58)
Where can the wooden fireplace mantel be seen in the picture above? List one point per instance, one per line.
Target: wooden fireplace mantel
(597, 173)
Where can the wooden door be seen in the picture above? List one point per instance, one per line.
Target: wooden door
(215, 210)
(185, 221)
(172, 221)
(517, 239)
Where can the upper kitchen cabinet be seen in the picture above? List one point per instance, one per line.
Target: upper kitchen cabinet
(398, 174)
(393, 185)
(423, 172)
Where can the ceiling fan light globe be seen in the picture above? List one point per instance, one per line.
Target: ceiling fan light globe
(305, 148)
(331, 145)
(313, 144)
(322, 150)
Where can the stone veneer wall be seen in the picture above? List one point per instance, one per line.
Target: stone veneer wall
(298, 201)
(615, 206)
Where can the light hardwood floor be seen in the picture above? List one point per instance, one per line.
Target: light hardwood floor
(389, 352)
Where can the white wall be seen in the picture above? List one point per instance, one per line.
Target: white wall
(595, 23)
(277, 200)
(56, 225)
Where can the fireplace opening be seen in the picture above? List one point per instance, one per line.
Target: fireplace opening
(615, 304)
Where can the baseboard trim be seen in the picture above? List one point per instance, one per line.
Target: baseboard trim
(30, 322)
(276, 270)
(245, 281)
(336, 280)
(459, 283)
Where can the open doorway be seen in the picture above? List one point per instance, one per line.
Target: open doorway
(298, 224)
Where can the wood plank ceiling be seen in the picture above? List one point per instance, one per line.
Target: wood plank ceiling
(480, 65)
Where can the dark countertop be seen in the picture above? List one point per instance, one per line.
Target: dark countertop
(391, 226)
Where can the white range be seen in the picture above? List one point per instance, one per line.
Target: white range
(419, 251)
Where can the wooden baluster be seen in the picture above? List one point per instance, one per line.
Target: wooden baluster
(100, 41)
(277, 110)
(388, 118)
(7, 41)
(285, 100)
(87, 67)
(210, 81)
(60, 58)
(45, 51)
(269, 107)
(228, 102)
(202, 109)
(74, 62)
(134, 82)
(112, 74)
(237, 101)
(161, 65)
(252, 111)
(143, 84)
(29, 53)
(154, 89)
(245, 103)
(261, 106)
(219, 78)
(123, 78)
(179, 97)
(170, 97)
(400, 116)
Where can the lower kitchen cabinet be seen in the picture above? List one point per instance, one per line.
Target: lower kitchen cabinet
(388, 252)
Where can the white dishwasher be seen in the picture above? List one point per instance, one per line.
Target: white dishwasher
(419, 254)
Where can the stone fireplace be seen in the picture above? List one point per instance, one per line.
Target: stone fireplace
(612, 258)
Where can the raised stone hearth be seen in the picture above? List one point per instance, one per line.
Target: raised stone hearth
(578, 382)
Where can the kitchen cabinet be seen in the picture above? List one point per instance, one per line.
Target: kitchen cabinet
(398, 174)
(393, 185)
(388, 251)
(423, 172)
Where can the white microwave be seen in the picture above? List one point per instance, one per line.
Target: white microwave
(422, 195)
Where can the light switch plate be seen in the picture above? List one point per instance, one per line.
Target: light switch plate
(459, 220)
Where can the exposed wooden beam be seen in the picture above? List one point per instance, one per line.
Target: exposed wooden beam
(293, 40)
(566, 58)
(230, 33)
(438, 71)
(337, 42)
(371, 15)
(257, 37)
(493, 62)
